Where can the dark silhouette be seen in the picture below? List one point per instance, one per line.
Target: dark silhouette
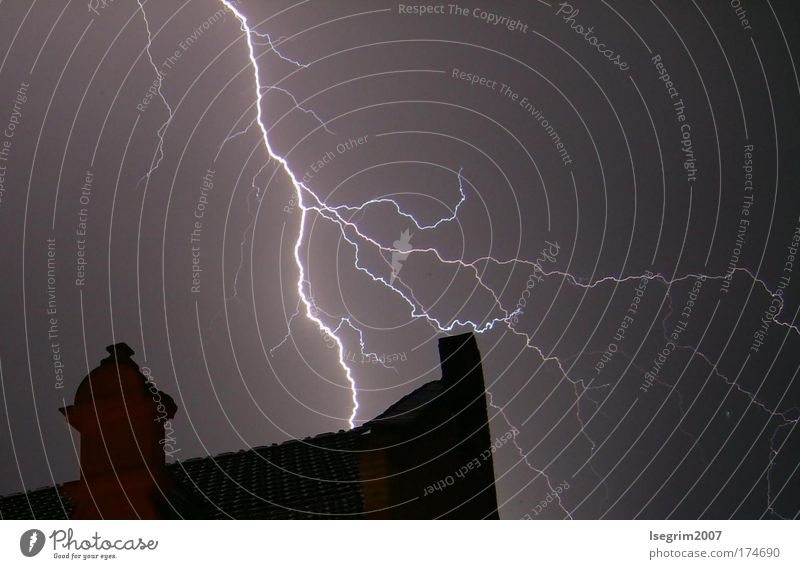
(428, 456)
(120, 418)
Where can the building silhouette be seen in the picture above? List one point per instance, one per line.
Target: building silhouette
(427, 456)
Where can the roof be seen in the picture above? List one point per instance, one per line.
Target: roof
(314, 478)
(407, 409)
(42, 504)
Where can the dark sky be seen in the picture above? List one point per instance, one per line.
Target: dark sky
(610, 155)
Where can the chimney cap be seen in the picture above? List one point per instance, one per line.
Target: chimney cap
(120, 352)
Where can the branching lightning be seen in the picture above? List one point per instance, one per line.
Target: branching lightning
(349, 230)
(299, 189)
(342, 215)
(308, 201)
(160, 79)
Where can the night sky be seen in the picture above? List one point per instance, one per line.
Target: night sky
(605, 190)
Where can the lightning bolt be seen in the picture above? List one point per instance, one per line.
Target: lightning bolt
(159, 78)
(501, 411)
(350, 231)
(342, 216)
(299, 189)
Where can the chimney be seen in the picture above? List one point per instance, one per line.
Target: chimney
(120, 416)
(460, 359)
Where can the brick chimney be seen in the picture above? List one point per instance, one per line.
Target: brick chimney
(120, 416)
